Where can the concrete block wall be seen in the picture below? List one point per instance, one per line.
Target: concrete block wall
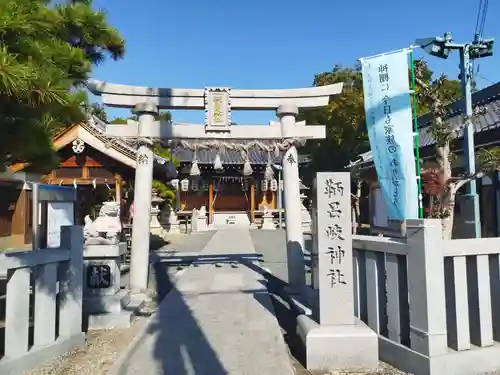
(43, 317)
(434, 303)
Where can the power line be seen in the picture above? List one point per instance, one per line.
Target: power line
(484, 78)
(480, 25)
(476, 31)
(481, 17)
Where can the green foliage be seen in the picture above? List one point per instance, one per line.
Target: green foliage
(46, 52)
(164, 191)
(166, 153)
(118, 120)
(489, 160)
(162, 116)
(344, 117)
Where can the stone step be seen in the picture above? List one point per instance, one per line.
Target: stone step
(120, 311)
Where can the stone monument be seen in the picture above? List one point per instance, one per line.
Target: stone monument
(337, 340)
(103, 300)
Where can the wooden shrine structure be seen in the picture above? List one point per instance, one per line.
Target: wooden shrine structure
(224, 189)
(96, 165)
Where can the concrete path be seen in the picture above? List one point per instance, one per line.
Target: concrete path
(218, 319)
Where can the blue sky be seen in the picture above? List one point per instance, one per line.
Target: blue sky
(277, 43)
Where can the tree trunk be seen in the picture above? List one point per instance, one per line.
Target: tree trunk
(448, 190)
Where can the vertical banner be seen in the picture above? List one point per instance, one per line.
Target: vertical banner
(388, 111)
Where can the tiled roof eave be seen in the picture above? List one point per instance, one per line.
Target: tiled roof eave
(116, 143)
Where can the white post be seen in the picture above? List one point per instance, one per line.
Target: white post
(280, 198)
(139, 260)
(294, 238)
(70, 315)
(35, 213)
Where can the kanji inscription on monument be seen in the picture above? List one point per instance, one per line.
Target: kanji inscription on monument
(98, 276)
(334, 236)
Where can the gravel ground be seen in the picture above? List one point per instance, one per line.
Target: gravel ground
(102, 350)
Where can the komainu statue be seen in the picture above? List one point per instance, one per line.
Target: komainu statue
(106, 229)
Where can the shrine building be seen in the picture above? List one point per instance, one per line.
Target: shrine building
(235, 190)
(97, 166)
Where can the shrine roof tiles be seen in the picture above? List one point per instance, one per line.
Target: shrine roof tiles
(486, 104)
(207, 156)
(485, 101)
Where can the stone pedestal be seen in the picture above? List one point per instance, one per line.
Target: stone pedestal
(337, 340)
(199, 221)
(173, 226)
(104, 303)
(339, 347)
(305, 215)
(202, 223)
(268, 222)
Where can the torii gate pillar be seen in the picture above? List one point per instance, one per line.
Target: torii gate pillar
(291, 187)
(139, 260)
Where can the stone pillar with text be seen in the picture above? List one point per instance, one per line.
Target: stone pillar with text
(337, 340)
(139, 260)
(287, 114)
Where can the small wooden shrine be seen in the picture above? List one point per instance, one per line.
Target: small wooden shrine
(96, 166)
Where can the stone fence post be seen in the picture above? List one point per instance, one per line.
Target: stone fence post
(426, 286)
(70, 322)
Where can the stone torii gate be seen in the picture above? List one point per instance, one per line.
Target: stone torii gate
(217, 102)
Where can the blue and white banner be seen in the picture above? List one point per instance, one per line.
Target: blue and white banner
(386, 89)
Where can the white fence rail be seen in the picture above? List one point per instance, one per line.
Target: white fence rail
(43, 303)
(435, 304)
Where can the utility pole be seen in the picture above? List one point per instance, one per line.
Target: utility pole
(480, 47)
(471, 198)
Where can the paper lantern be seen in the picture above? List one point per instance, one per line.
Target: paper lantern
(274, 185)
(263, 185)
(195, 186)
(185, 185)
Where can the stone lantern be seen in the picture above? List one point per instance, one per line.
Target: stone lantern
(304, 213)
(155, 227)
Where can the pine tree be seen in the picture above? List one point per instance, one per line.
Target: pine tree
(46, 53)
